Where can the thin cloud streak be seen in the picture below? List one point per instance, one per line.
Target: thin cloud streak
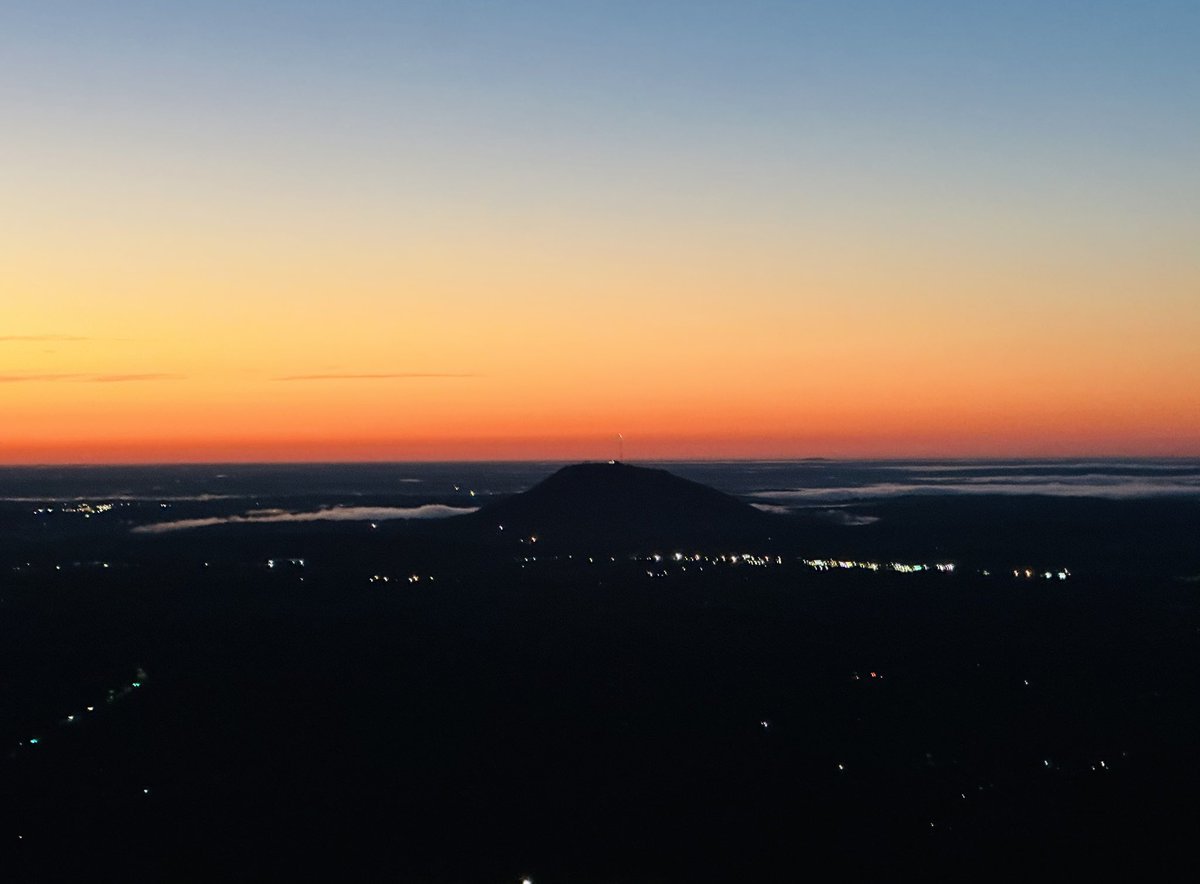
(407, 375)
(86, 378)
(126, 378)
(35, 378)
(35, 339)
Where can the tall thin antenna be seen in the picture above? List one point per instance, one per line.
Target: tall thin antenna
(620, 447)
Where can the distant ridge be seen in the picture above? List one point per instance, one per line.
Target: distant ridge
(617, 502)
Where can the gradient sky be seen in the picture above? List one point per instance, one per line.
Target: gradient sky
(312, 230)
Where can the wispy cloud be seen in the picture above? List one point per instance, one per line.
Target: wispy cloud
(124, 378)
(383, 376)
(36, 339)
(86, 378)
(35, 378)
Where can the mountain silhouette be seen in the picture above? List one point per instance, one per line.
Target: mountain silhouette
(616, 503)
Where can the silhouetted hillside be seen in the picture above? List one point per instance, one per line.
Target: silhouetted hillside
(616, 503)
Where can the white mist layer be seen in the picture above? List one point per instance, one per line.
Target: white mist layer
(1115, 489)
(326, 514)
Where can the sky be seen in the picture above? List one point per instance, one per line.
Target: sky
(309, 230)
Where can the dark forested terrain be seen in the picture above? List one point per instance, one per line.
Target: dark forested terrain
(575, 709)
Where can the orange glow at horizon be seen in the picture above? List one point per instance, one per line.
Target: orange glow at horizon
(838, 371)
(409, 361)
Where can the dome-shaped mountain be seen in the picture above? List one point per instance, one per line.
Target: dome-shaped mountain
(607, 502)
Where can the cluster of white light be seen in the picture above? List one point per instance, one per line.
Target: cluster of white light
(83, 508)
(274, 563)
(762, 561)
(898, 567)
(411, 578)
(1030, 574)
(726, 558)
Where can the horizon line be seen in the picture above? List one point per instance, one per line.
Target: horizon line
(631, 461)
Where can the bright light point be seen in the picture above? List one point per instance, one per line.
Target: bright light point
(145, 791)
(91, 709)
(34, 741)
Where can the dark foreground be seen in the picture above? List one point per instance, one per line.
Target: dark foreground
(575, 721)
